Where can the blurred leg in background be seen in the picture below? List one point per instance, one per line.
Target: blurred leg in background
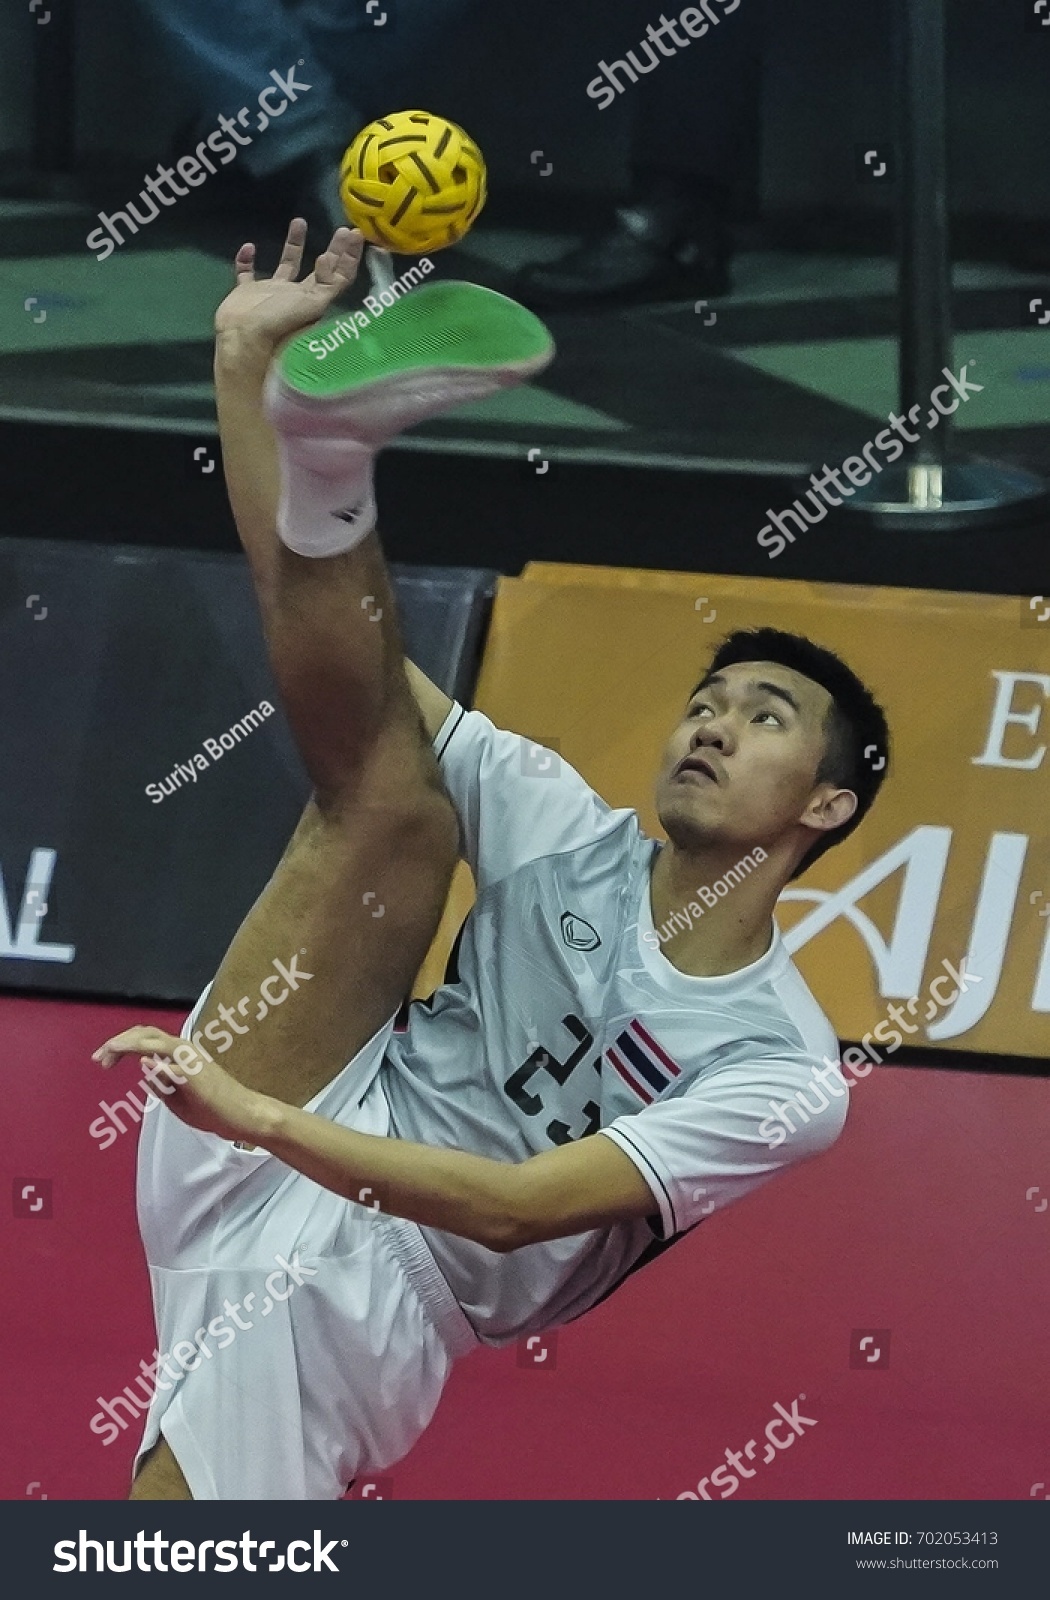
(352, 56)
(696, 143)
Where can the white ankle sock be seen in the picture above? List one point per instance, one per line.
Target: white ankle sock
(327, 497)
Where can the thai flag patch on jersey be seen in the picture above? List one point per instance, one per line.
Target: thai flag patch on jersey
(642, 1063)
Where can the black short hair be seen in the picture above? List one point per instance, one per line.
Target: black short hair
(857, 751)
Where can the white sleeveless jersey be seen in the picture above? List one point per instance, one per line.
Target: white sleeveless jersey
(559, 1019)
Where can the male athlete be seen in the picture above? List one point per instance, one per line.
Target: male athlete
(353, 1209)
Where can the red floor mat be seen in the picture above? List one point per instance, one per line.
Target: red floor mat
(920, 1230)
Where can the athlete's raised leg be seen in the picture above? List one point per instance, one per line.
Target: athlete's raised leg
(358, 895)
(160, 1476)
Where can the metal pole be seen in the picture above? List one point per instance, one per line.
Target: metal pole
(933, 487)
(925, 253)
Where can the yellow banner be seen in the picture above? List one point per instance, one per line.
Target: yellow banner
(953, 860)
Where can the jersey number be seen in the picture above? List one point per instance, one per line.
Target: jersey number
(543, 1061)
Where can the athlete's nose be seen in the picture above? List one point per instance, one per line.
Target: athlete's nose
(715, 733)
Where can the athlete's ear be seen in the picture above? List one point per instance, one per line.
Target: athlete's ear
(828, 808)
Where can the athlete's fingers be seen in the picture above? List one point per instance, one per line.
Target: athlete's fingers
(143, 1036)
(340, 241)
(132, 1042)
(348, 258)
(164, 1068)
(337, 268)
(292, 254)
(244, 264)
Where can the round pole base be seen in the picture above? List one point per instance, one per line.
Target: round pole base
(955, 494)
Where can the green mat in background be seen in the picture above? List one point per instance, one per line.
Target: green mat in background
(132, 298)
(147, 297)
(1013, 365)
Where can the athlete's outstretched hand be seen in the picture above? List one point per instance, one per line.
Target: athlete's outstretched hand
(269, 310)
(187, 1082)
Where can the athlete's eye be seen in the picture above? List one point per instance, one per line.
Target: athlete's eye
(777, 719)
(696, 711)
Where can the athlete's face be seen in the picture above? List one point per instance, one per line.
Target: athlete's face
(741, 766)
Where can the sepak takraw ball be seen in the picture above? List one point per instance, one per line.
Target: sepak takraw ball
(412, 182)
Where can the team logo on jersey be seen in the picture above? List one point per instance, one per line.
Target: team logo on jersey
(642, 1063)
(578, 934)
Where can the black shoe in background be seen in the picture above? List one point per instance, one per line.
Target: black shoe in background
(671, 244)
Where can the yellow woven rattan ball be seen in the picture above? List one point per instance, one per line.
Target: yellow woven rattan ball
(413, 182)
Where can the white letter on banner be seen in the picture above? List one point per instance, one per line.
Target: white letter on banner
(25, 945)
(899, 965)
(989, 934)
(1041, 993)
(1002, 716)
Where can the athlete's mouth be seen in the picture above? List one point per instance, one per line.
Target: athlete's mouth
(697, 764)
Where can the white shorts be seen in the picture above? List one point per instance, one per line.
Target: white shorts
(308, 1339)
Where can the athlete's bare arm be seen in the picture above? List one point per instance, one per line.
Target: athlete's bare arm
(500, 1204)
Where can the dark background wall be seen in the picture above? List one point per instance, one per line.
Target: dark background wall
(521, 83)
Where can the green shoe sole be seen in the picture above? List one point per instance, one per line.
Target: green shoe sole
(438, 325)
